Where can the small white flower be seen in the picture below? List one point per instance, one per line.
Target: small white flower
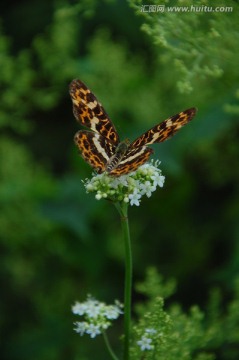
(92, 307)
(89, 187)
(98, 196)
(145, 343)
(112, 312)
(158, 179)
(93, 330)
(80, 327)
(123, 180)
(134, 198)
(93, 311)
(116, 182)
(147, 188)
(79, 308)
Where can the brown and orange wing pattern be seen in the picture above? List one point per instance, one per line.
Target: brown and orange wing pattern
(94, 148)
(138, 153)
(165, 129)
(132, 160)
(90, 113)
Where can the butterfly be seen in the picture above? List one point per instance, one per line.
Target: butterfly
(101, 147)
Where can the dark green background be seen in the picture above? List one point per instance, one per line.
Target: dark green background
(57, 243)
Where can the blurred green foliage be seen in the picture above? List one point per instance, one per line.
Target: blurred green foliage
(58, 243)
(186, 335)
(197, 43)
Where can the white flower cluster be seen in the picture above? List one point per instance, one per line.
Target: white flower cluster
(127, 188)
(145, 343)
(97, 315)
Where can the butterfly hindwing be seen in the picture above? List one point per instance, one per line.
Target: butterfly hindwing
(94, 148)
(132, 160)
(90, 113)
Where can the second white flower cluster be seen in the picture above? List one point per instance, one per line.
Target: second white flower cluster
(97, 316)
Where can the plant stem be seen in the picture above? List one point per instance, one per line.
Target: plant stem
(123, 210)
(112, 354)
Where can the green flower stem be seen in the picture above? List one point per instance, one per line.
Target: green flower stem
(112, 354)
(123, 210)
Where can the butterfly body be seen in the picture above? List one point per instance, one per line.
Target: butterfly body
(114, 161)
(101, 147)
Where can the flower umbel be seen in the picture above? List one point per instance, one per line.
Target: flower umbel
(97, 316)
(127, 188)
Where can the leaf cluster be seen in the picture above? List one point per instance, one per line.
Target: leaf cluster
(195, 334)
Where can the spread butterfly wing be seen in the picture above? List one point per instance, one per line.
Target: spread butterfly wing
(90, 113)
(133, 158)
(138, 153)
(164, 130)
(94, 148)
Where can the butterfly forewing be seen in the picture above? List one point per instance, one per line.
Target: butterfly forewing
(165, 129)
(90, 113)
